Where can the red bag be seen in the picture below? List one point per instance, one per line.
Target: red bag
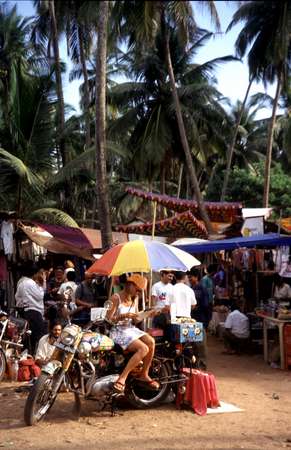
(28, 370)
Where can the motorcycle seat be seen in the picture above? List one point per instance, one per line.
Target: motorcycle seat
(21, 324)
(155, 332)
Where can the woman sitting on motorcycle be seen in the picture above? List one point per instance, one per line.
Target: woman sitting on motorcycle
(123, 313)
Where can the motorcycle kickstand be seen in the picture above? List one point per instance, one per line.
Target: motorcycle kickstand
(113, 405)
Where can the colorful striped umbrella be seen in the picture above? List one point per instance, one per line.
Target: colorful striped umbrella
(142, 256)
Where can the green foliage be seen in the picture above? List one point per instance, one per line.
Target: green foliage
(247, 186)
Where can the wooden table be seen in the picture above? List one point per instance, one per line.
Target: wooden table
(280, 324)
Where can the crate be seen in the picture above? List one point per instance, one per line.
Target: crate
(187, 332)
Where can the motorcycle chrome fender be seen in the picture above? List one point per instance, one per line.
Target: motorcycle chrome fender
(51, 367)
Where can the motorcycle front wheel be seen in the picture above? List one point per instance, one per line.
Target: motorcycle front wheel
(142, 397)
(41, 398)
(3, 365)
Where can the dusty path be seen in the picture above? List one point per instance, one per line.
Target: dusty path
(245, 381)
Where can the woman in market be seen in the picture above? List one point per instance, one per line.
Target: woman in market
(130, 338)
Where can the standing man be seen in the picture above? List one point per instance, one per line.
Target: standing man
(201, 313)
(161, 292)
(30, 294)
(208, 283)
(182, 299)
(85, 299)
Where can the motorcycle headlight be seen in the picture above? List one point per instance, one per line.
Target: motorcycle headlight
(67, 338)
(84, 348)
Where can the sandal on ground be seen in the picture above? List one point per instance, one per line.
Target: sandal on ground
(119, 387)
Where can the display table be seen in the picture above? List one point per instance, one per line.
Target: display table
(201, 391)
(280, 324)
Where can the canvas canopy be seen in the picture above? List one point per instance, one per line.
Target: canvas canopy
(266, 240)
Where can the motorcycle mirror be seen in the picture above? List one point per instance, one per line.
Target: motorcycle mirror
(108, 304)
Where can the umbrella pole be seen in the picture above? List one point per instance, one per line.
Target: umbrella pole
(154, 220)
(110, 287)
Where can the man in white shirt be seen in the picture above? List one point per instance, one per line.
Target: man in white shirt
(182, 298)
(237, 330)
(30, 295)
(161, 292)
(46, 346)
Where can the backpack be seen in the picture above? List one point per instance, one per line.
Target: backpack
(28, 370)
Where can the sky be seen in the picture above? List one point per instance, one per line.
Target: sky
(232, 77)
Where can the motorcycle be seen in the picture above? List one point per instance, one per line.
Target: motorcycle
(89, 363)
(13, 331)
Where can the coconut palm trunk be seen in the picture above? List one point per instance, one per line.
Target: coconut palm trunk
(270, 142)
(231, 148)
(86, 87)
(100, 128)
(184, 141)
(59, 85)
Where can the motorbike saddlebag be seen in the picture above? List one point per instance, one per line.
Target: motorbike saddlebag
(186, 332)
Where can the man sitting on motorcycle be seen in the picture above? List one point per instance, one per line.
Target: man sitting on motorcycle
(124, 313)
(46, 346)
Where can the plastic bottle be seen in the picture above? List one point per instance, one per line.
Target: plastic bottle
(13, 369)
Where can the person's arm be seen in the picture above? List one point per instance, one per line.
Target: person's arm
(112, 313)
(193, 299)
(228, 322)
(40, 356)
(79, 301)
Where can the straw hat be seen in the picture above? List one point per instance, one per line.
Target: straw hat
(138, 280)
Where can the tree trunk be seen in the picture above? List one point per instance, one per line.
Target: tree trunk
(184, 141)
(231, 148)
(270, 144)
(86, 88)
(100, 128)
(180, 180)
(59, 85)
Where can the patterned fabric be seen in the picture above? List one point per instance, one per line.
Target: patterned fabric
(184, 222)
(217, 211)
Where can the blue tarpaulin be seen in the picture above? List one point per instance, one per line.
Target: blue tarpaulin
(265, 240)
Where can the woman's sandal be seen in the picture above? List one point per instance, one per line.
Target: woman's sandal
(152, 384)
(119, 387)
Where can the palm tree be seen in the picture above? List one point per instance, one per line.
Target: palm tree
(80, 23)
(267, 32)
(230, 152)
(144, 20)
(146, 117)
(100, 128)
(46, 31)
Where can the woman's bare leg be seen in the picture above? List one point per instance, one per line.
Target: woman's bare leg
(150, 343)
(140, 351)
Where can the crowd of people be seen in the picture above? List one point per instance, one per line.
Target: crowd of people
(50, 298)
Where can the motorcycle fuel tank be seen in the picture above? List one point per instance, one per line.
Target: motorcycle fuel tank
(99, 342)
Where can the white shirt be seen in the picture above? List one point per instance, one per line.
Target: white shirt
(30, 295)
(238, 323)
(68, 289)
(7, 230)
(182, 298)
(162, 293)
(44, 349)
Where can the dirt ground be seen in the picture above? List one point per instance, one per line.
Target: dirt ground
(245, 381)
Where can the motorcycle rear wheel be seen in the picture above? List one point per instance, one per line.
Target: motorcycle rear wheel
(141, 397)
(40, 398)
(3, 365)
